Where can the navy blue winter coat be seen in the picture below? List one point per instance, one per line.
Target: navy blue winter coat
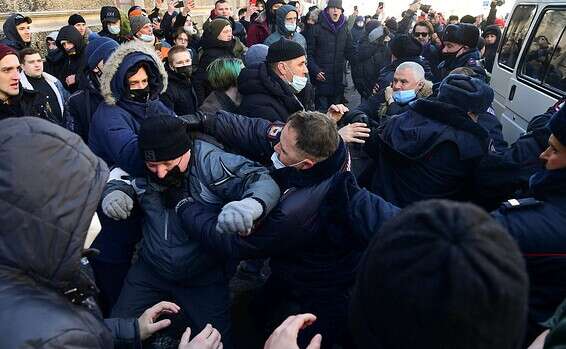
(539, 230)
(322, 257)
(115, 124)
(469, 59)
(81, 106)
(430, 151)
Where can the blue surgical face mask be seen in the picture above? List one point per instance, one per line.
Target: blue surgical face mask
(147, 38)
(299, 83)
(291, 27)
(278, 164)
(114, 29)
(404, 97)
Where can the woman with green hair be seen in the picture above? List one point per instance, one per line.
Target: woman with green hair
(223, 75)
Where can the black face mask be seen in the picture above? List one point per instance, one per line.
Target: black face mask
(140, 95)
(173, 179)
(186, 71)
(451, 55)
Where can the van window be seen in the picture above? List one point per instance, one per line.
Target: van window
(515, 35)
(545, 59)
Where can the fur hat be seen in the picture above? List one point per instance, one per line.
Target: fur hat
(461, 33)
(465, 92)
(557, 125)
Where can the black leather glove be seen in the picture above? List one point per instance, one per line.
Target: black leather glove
(194, 121)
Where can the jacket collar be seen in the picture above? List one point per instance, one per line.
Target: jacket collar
(545, 183)
(449, 115)
(289, 177)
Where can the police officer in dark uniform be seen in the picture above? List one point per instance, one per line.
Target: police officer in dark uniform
(460, 43)
(537, 224)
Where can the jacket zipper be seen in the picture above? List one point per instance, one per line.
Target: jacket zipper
(166, 224)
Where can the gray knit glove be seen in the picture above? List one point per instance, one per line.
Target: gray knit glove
(117, 205)
(239, 216)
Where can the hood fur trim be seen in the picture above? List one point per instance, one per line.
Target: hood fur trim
(112, 66)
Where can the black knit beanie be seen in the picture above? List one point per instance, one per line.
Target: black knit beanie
(163, 138)
(284, 50)
(441, 274)
(76, 18)
(405, 46)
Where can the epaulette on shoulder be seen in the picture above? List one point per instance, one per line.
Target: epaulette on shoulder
(514, 204)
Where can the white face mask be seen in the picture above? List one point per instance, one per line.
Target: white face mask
(190, 29)
(147, 38)
(278, 164)
(292, 27)
(114, 29)
(299, 83)
(93, 231)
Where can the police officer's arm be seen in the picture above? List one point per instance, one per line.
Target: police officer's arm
(233, 177)
(251, 137)
(367, 212)
(276, 234)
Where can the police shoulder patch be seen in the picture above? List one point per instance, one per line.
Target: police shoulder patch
(274, 131)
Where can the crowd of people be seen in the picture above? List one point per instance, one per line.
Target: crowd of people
(165, 185)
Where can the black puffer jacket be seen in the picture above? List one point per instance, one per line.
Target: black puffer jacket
(180, 95)
(45, 218)
(369, 59)
(265, 95)
(327, 52)
(60, 64)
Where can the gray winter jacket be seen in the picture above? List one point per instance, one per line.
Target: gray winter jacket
(51, 185)
(215, 177)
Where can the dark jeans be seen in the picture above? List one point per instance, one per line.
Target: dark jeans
(200, 305)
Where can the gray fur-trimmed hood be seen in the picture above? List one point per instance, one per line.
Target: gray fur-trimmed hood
(112, 85)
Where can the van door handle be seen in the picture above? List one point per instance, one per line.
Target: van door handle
(512, 92)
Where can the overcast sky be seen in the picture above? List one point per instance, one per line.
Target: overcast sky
(447, 7)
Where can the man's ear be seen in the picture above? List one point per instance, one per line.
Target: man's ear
(308, 163)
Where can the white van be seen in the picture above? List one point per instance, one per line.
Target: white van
(529, 74)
